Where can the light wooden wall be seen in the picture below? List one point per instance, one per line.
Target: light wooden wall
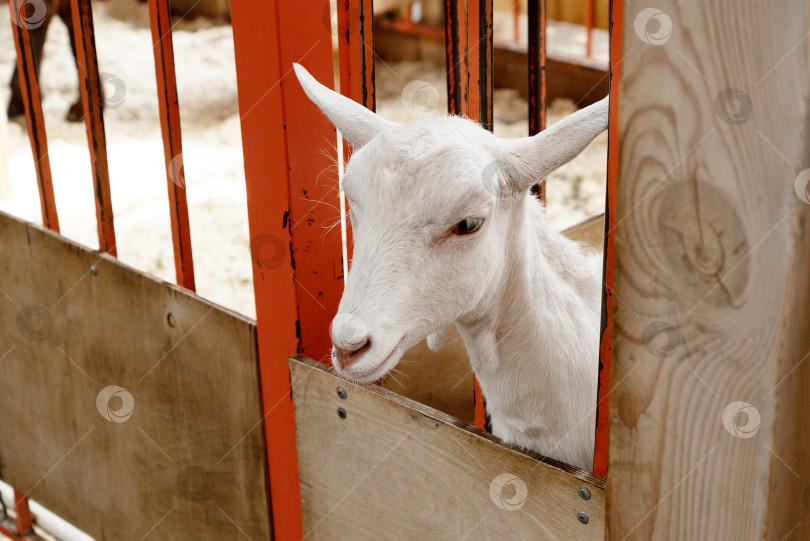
(712, 273)
(185, 458)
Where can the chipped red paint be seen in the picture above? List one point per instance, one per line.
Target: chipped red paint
(160, 22)
(29, 87)
(600, 461)
(92, 101)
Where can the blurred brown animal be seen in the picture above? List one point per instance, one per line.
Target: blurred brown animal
(52, 7)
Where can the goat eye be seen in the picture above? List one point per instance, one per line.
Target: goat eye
(467, 226)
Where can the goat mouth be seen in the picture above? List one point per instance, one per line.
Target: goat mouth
(378, 370)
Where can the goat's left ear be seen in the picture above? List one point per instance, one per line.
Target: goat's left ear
(533, 158)
(357, 124)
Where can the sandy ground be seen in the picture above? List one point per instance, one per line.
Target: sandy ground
(211, 147)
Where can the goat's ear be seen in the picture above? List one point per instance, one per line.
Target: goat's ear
(531, 159)
(357, 124)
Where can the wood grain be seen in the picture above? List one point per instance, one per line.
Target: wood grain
(395, 469)
(189, 462)
(713, 125)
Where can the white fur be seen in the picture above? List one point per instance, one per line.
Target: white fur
(525, 300)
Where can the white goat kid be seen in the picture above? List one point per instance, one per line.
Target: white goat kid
(446, 232)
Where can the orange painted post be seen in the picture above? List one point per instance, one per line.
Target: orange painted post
(24, 522)
(455, 18)
(537, 76)
(21, 22)
(93, 102)
(589, 9)
(600, 460)
(160, 22)
(356, 58)
(297, 273)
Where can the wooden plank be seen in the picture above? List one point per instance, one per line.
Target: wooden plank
(395, 469)
(184, 459)
(442, 380)
(32, 101)
(709, 378)
(160, 23)
(93, 103)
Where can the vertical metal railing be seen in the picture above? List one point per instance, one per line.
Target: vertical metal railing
(29, 87)
(93, 103)
(160, 22)
(537, 76)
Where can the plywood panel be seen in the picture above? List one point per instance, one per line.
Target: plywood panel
(175, 449)
(443, 380)
(707, 419)
(394, 469)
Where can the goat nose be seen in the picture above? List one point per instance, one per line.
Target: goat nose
(349, 334)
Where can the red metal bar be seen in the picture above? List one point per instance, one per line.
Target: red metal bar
(160, 22)
(93, 103)
(297, 291)
(600, 461)
(24, 523)
(455, 14)
(29, 87)
(537, 76)
(589, 11)
(356, 58)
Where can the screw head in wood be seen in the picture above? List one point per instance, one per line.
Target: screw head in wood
(342, 393)
(583, 517)
(584, 493)
(341, 413)
(93, 270)
(170, 320)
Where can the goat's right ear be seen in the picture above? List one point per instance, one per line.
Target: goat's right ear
(357, 124)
